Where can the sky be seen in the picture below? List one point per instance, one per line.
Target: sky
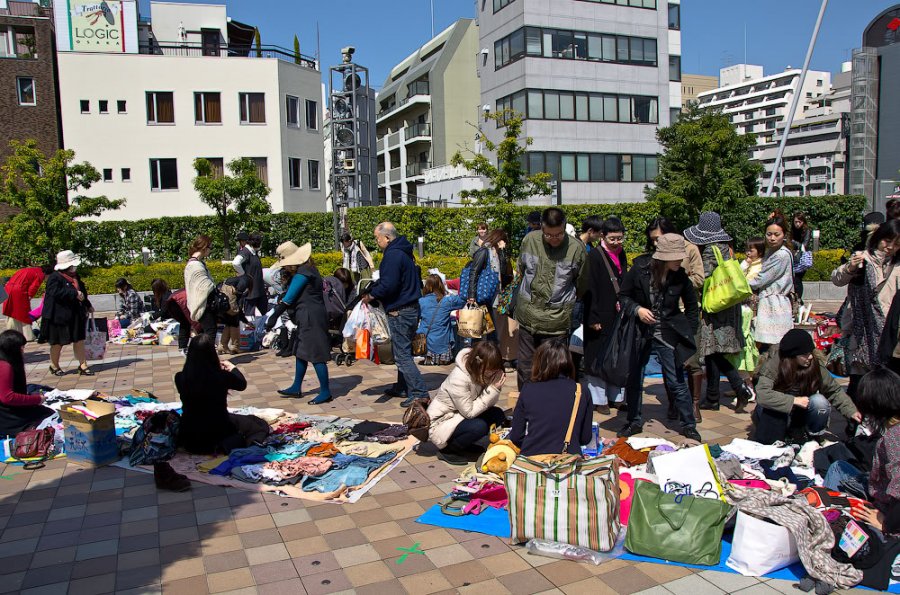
(384, 32)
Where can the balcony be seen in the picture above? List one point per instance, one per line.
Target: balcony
(417, 169)
(381, 175)
(379, 145)
(417, 131)
(394, 175)
(792, 180)
(412, 99)
(25, 9)
(199, 50)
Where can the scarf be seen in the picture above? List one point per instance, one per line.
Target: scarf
(71, 279)
(868, 319)
(614, 257)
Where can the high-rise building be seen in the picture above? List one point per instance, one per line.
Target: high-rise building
(694, 84)
(594, 80)
(142, 99)
(427, 110)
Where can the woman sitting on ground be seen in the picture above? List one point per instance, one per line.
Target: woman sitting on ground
(544, 410)
(160, 295)
(203, 384)
(132, 306)
(19, 411)
(435, 307)
(464, 408)
(795, 393)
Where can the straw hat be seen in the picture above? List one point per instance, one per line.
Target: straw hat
(289, 254)
(66, 259)
(669, 247)
(707, 231)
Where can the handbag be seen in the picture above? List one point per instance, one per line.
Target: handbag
(471, 322)
(34, 445)
(417, 420)
(679, 528)
(760, 546)
(804, 261)
(420, 341)
(622, 350)
(506, 300)
(726, 286)
(94, 341)
(485, 287)
(217, 302)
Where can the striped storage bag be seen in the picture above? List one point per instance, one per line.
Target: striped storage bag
(566, 499)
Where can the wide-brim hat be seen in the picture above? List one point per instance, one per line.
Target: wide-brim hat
(707, 231)
(66, 259)
(670, 247)
(290, 255)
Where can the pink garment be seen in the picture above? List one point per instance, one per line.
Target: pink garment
(493, 495)
(614, 257)
(750, 483)
(281, 470)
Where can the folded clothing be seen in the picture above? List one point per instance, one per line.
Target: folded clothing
(308, 466)
(629, 456)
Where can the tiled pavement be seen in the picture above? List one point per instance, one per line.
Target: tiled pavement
(81, 531)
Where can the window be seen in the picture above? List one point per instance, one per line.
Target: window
(163, 174)
(25, 85)
(292, 108)
(121, 106)
(217, 167)
(594, 167)
(160, 107)
(207, 108)
(573, 45)
(107, 175)
(818, 82)
(4, 44)
(313, 171)
(675, 68)
(537, 104)
(674, 16)
(85, 105)
(674, 114)
(25, 45)
(294, 173)
(103, 106)
(651, 4)
(126, 174)
(253, 108)
(499, 4)
(312, 114)
(262, 168)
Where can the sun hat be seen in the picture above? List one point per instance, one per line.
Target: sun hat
(670, 247)
(707, 231)
(796, 342)
(66, 259)
(289, 254)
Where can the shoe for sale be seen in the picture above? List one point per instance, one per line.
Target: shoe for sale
(603, 409)
(691, 434)
(630, 430)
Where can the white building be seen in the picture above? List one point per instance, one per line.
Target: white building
(193, 86)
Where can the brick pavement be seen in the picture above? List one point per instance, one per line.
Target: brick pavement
(66, 529)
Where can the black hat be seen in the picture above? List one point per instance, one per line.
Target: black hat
(243, 236)
(873, 218)
(796, 342)
(707, 231)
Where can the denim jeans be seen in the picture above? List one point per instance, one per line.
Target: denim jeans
(673, 376)
(347, 473)
(844, 477)
(403, 329)
(470, 431)
(773, 425)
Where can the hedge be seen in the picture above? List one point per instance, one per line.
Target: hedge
(446, 232)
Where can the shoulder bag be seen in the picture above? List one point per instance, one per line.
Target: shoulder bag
(420, 341)
(726, 286)
(612, 276)
(33, 447)
(417, 421)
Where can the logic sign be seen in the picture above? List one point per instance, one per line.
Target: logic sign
(96, 26)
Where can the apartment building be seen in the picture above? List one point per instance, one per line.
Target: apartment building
(142, 99)
(594, 80)
(694, 84)
(28, 100)
(427, 110)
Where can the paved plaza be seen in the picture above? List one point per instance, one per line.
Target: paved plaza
(67, 529)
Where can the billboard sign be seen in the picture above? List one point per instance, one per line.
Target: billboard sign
(97, 26)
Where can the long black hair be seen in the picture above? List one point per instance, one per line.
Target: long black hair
(202, 366)
(663, 225)
(11, 344)
(877, 398)
(888, 231)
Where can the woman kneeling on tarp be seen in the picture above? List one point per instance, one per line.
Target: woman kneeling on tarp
(795, 393)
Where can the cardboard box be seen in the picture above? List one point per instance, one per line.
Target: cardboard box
(91, 442)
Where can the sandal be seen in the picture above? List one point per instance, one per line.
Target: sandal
(85, 371)
(56, 371)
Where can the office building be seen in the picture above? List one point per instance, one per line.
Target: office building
(594, 79)
(427, 110)
(694, 84)
(142, 99)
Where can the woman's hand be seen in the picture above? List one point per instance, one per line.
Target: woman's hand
(498, 384)
(597, 327)
(870, 516)
(227, 365)
(856, 261)
(646, 316)
(80, 296)
(802, 402)
(857, 417)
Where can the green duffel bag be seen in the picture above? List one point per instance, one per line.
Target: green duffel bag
(684, 529)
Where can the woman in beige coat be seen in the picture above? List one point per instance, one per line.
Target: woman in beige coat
(464, 408)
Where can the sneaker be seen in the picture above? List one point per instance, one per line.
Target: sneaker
(603, 409)
(630, 429)
(691, 434)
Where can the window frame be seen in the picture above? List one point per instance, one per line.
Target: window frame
(314, 182)
(19, 100)
(642, 4)
(677, 10)
(81, 106)
(288, 111)
(158, 173)
(677, 62)
(315, 113)
(295, 177)
(596, 107)
(244, 108)
(549, 42)
(122, 174)
(155, 95)
(502, 4)
(201, 119)
(104, 177)
(121, 106)
(100, 106)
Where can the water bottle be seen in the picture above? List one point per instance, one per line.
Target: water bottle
(592, 447)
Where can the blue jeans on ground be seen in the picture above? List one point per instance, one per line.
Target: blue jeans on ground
(774, 425)
(673, 376)
(403, 329)
(348, 473)
(844, 477)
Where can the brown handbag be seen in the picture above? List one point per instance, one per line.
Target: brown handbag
(36, 445)
(416, 419)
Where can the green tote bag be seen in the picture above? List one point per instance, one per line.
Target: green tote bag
(684, 529)
(726, 286)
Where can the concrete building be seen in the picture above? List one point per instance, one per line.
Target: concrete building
(875, 115)
(426, 111)
(152, 96)
(694, 84)
(29, 107)
(595, 79)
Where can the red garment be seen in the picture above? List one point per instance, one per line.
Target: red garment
(290, 428)
(8, 396)
(452, 284)
(21, 287)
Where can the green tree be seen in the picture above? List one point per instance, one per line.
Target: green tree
(234, 199)
(257, 43)
(48, 194)
(296, 50)
(705, 166)
(509, 182)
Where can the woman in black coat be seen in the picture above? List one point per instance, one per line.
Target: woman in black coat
(607, 265)
(66, 308)
(651, 291)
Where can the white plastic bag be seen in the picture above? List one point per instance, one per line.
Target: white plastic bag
(355, 321)
(576, 343)
(760, 547)
(94, 342)
(688, 471)
(378, 325)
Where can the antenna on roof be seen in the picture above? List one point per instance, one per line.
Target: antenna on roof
(318, 49)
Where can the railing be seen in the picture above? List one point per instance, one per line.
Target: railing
(417, 169)
(24, 9)
(400, 104)
(194, 49)
(394, 175)
(379, 145)
(418, 88)
(421, 129)
(392, 140)
(381, 178)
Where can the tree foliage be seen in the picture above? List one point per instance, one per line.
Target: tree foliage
(705, 166)
(235, 199)
(48, 194)
(296, 50)
(508, 179)
(258, 43)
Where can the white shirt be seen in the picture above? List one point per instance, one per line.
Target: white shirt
(238, 262)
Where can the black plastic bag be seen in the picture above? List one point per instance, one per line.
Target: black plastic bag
(622, 349)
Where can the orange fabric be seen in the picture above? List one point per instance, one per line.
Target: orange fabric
(325, 449)
(629, 456)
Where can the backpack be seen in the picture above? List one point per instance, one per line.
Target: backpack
(334, 303)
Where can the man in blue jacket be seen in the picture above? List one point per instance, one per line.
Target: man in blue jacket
(398, 289)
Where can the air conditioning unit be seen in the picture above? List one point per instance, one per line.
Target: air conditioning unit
(349, 164)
